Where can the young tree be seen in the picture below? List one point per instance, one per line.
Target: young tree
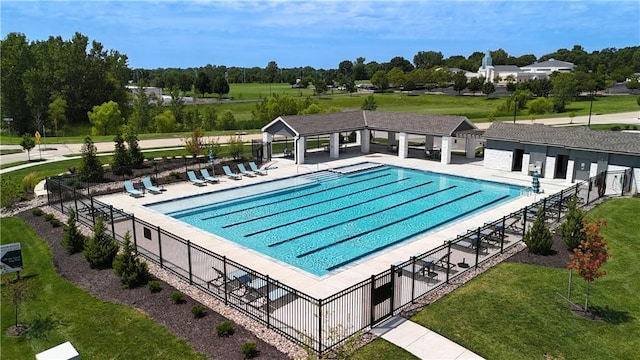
(101, 248)
(538, 238)
(475, 84)
(129, 268)
(220, 86)
(236, 147)
(73, 241)
(226, 120)
(203, 83)
(488, 88)
(369, 103)
(28, 143)
(121, 159)
(564, 90)
(106, 119)
(56, 113)
(590, 255)
(193, 144)
(17, 291)
(166, 122)
(571, 228)
(459, 82)
(137, 158)
(90, 168)
(380, 80)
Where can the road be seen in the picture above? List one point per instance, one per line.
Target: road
(63, 151)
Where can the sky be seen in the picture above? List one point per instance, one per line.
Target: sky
(321, 34)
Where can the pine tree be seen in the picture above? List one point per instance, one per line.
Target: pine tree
(121, 160)
(137, 159)
(90, 168)
(73, 241)
(538, 238)
(571, 228)
(131, 270)
(101, 248)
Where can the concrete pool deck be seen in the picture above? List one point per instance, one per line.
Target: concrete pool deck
(321, 287)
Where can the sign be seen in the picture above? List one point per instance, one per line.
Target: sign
(10, 258)
(38, 137)
(7, 119)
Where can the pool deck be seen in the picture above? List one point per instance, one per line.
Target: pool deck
(321, 287)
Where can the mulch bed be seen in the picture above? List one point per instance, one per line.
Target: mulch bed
(557, 258)
(104, 284)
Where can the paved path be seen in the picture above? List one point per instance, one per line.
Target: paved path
(421, 341)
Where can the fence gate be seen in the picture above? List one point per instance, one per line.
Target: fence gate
(382, 290)
(257, 150)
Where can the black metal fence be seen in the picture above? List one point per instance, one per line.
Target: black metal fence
(323, 324)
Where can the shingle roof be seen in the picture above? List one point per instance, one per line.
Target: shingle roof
(551, 63)
(512, 68)
(317, 124)
(580, 138)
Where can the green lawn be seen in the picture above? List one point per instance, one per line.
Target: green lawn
(97, 329)
(513, 312)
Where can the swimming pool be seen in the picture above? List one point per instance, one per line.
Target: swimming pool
(323, 221)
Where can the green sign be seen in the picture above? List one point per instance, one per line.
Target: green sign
(10, 258)
(7, 119)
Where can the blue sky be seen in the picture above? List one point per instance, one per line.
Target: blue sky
(323, 33)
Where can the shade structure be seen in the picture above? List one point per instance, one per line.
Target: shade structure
(535, 182)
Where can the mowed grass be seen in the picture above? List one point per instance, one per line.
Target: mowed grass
(97, 329)
(513, 311)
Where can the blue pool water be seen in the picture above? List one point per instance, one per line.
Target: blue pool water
(324, 221)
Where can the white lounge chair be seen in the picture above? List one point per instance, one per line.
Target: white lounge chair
(244, 171)
(255, 169)
(231, 174)
(194, 180)
(207, 177)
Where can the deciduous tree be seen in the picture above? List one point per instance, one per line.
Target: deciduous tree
(106, 119)
(220, 86)
(28, 142)
(56, 113)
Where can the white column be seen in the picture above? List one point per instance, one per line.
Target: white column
(570, 166)
(266, 144)
(470, 147)
(358, 137)
(391, 140)
(334, 146)
(445, 152)
(301, 148)
(525, 164)
(550, 167)
(403, 145)
(428, 143)
(365, 139)
(593, 170)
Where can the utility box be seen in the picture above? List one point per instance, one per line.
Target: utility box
(64, 351)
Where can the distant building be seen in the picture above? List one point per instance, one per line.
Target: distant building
(149, 90)
(535, 71)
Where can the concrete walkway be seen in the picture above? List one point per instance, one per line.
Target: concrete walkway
(420, 341)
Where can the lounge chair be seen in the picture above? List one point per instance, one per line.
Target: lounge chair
(150, 187)
(128, 186)
(244, 171)
(207, 177)
(255, 169)
(236, 275)
(231, 174)
(255, 293)
(194, 180)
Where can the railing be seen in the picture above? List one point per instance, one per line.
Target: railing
(323, 324)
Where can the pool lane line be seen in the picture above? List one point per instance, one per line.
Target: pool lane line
(362, 216)
(385, 225)
(335, 210)
(312, 204)
(296, 197)
(379, 248)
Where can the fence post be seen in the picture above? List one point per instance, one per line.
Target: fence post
(393, 287)
(448, 260)
(60, 192)
(48, 187)
(160, 248)
(189, 259)
(524, 221)
(320, 317)
(588, 192)
(560, 204)
(373, 285)
(478, 245)
(113, 225)
(413, 279)
(75, 199)
(544, 208)
(224, 269)
(135, 242)
(504, 223)
(268, 303)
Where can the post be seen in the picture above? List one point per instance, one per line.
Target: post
(590, 108)
(320, 326)
(75, 199)
(189, 260)
(135, 242)
(478, 245)
(268, 302)
(504, 223)
(93, 211)
(48, 186)
(373, 286)
(113, 226)
(393, 288)
(224, 270)
(515, 111)
(524, 221)
(160, 248)
(413, 279)
(448, 260)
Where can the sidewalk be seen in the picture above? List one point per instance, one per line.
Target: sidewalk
(421, 341)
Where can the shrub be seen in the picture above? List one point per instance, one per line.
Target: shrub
(90, 167)
(225, 329)
(538, 238)
(55, 223)
(48, 217)
(101, 248)
(249, 349)
(540, 106)
(177, 297)
(198, 311)
(37, 212)
(130, 269)
(73, 241)
(571, 228)
(29, 182)
(154, 286)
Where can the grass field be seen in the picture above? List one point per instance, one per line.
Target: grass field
(513, 312)
(97, 329)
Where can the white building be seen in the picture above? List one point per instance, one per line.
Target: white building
(534, 71)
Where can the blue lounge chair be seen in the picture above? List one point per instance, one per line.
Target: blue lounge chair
(150, 187)
(194, 179)
(231, 174)
(128, 186)
(244, 171)
(255, 169)
(207, 177)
